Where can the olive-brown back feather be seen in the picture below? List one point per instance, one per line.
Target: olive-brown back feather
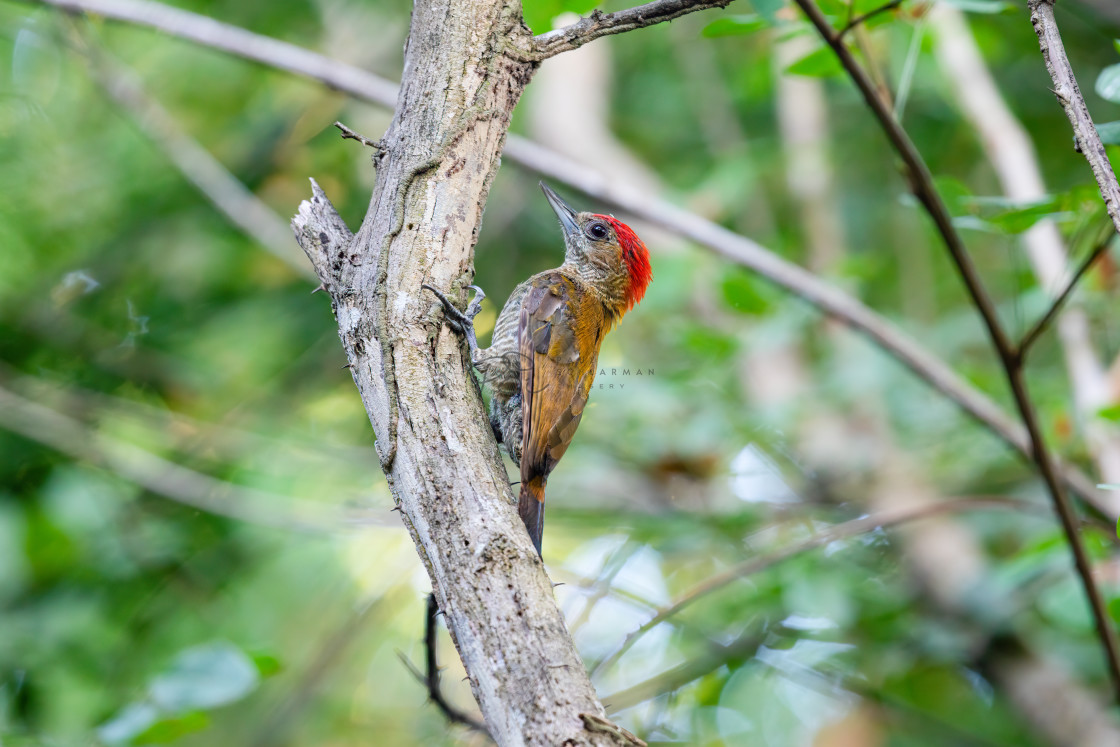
(559, 332)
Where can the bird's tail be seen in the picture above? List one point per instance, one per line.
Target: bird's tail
(531, 508)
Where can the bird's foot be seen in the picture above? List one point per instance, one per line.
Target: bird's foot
(462, 321)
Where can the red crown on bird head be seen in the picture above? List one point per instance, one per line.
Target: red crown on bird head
(636, 256)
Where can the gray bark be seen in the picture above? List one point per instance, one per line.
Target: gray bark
(466, 64)
(1069, 95)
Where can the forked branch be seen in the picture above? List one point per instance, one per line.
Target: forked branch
(922, 185)
(1059, 301)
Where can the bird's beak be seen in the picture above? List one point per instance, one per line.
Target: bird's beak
(563, 211)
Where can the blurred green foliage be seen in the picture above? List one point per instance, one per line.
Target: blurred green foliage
(134, 308)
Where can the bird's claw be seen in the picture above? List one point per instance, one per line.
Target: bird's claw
(475, 305)
(461, 322)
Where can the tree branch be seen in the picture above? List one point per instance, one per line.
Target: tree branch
(433, 436)
(845, 530)
(1014, 159)
(319, 229)
(798, 281)
(600, 24)
(430, 679)
(348, 134)
(681, 675)
(162, 477)
(211, 33)
(184, 433)
(1056, 305)
(197, 165)
(921, 182)
(1069, 94)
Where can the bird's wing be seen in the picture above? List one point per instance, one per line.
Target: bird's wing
(559, 332)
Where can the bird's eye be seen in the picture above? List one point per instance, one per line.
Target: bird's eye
(597, 231)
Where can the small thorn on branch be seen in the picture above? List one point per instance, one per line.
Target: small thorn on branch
(348, 134)
(320, 287)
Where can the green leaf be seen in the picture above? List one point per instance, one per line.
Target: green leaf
(171, 729)
(205, 676)
(703, 341)
(734, 26)
(1116, 44)
(955, 193)
(982, 6)
(742, 293)
(267, 665)
(821, 63)
(1112, 412)
(1109, 132)
(768, 9)
(1023, 218)
(1108, 84)
(1114, 609)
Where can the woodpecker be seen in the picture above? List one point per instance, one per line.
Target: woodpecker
(542, 357)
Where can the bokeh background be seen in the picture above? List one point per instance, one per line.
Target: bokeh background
(196, 543)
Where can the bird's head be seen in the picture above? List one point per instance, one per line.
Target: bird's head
(604, 249)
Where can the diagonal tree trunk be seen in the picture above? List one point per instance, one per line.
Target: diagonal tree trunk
(466, 64)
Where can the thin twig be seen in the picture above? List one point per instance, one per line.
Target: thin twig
(864, 17)
(89, 404)
(348, 134)
(1040, 326)
(679, 676)
(757, 564)
(1069, 94)
(739, 249)
(430, 679)
(921, 182)
(600, 24)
